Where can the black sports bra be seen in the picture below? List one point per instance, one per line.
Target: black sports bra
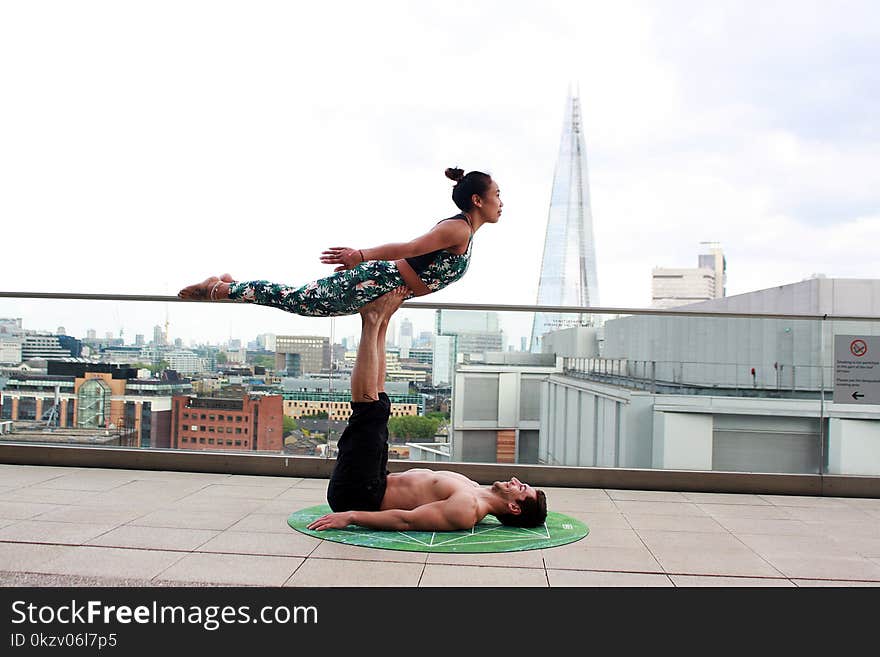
(421, 262)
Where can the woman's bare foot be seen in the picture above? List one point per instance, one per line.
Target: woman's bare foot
(382, 308)
(210, 289)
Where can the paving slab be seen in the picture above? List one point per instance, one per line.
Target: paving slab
(341, 572)
(63, 533)
(232, 569)
(481, 576)
(291, 544)
(111, 562)
(590, 578)
(155, 538)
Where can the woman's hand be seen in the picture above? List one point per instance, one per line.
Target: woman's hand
(343, 256)
(331, 521)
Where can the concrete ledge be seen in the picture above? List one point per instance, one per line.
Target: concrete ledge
(165, 459)
(538, 475)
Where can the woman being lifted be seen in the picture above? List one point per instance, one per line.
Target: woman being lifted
(424, 265)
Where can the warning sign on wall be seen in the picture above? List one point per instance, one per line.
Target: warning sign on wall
(856, 369)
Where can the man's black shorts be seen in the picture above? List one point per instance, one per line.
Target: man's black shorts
(358, 479)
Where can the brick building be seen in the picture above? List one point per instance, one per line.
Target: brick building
(245, 423)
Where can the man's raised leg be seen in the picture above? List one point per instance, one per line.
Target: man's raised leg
(368, 374)
(380, 349)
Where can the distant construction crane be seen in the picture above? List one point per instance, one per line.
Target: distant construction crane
(53, 413)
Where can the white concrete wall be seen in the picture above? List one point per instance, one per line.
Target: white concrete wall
(591, 424)
(577, 342)
(853, 446)
(435, 452)
(682, 441)
(508, 400)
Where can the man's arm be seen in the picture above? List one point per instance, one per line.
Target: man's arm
(456, 512)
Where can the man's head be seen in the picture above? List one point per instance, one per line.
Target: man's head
(524, 506)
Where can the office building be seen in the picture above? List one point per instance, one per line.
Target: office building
(10, 349)
(10, 325)
(228, 422)
(306, 397)
(301, 354)
(679, 287)
(50, 346)
(184, 361)
(266, 341)
(443, 361)
(568, 267)
(406, 337)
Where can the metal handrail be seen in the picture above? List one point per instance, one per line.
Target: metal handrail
(428, 305)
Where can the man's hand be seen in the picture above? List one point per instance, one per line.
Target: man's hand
(331, 521)
(343, 256)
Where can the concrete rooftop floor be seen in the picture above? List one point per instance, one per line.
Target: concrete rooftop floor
(63, 526)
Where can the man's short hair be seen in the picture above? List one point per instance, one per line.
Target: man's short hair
(533, 512)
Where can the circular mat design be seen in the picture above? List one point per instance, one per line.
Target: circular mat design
(487, 536)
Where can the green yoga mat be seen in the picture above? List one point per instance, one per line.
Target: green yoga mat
(487, 536)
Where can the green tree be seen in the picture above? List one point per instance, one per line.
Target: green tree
(413, 427)
(155, 368)
(289, 425)
(264, 360)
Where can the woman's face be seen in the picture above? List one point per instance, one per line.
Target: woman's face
(490, 203)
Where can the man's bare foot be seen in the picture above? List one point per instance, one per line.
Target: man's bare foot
(382, 308)
(210, 289)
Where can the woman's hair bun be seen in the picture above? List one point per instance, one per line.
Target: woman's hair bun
(455, 174)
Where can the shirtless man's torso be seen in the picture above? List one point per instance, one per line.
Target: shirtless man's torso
(418, 486)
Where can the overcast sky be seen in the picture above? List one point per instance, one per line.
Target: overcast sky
(144, 146)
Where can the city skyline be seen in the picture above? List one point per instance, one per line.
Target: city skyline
(416, 339)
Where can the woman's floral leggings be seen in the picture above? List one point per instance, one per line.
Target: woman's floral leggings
(341, 293)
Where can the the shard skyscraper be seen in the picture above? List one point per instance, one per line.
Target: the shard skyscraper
(568, 268)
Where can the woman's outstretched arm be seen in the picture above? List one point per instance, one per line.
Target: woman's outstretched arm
(444, 235)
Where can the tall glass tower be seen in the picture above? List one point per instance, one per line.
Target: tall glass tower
(568, 268)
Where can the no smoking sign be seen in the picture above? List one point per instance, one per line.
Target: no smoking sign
(856, 369)
(858, 348)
